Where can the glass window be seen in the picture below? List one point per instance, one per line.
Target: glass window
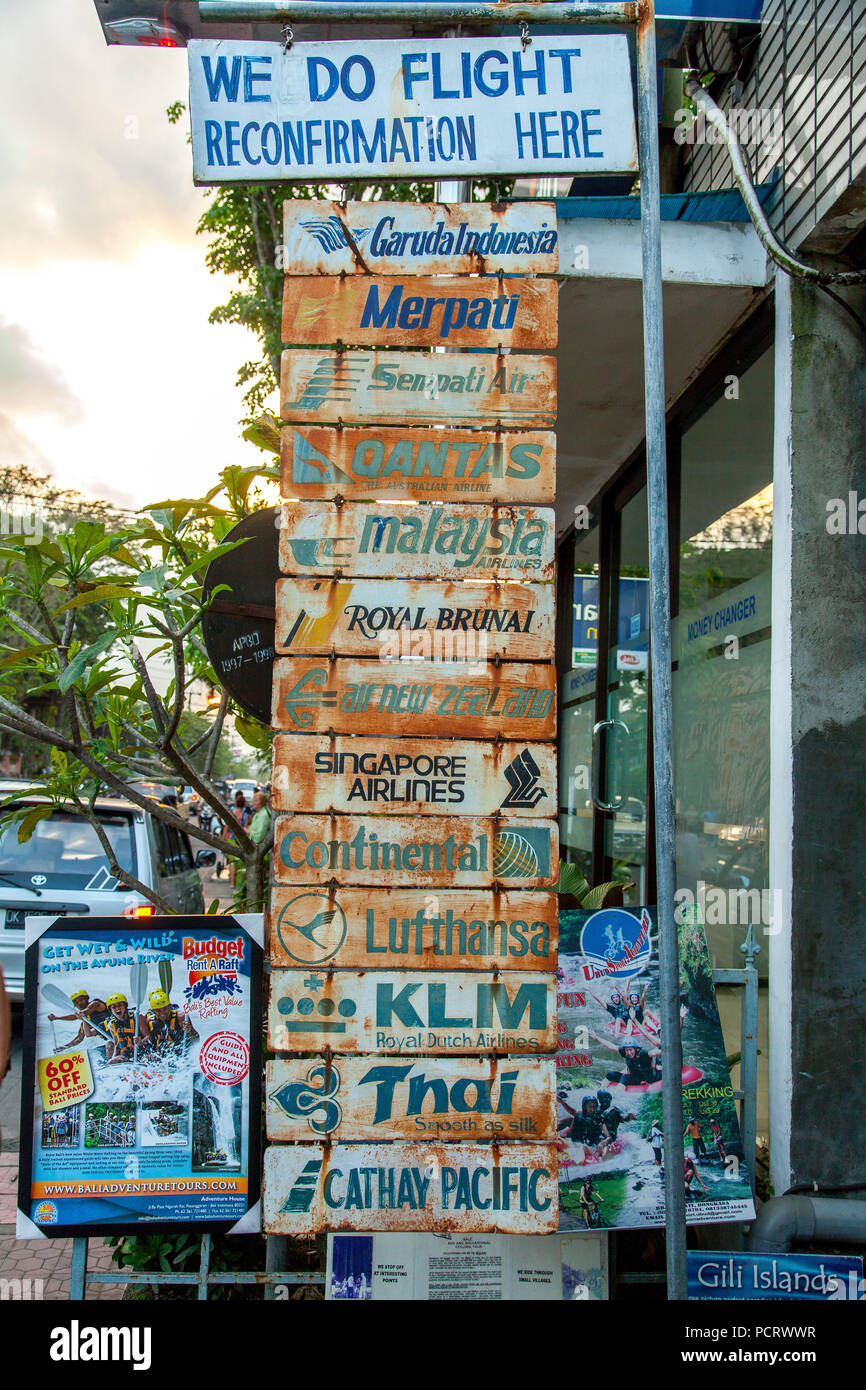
(66, 850)
(577, 712)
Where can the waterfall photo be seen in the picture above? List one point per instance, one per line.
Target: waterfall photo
(216, 1126)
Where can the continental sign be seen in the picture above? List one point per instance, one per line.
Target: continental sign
(422, 776)
(425, 852)
(401, 1187)
(321, 238)
(363, 1098)
(408, 928)
(391, 540)
(437, 620)
(405, 1012)
(418, 464)
(417, 311)
(442, 699)
(400, 388)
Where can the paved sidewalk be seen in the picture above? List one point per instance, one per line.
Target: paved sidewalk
(45, 1263)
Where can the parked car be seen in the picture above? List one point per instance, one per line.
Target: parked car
(62, 870)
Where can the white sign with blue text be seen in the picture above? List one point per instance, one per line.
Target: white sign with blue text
(409, 108)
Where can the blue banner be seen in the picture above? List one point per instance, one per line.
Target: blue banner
(721, 1275)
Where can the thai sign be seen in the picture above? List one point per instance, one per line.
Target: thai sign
(444, 699)
(408, 928)
(418, 464)
(423, 852)
(451, 620)
(391, 540)
(397, 1012)
(400, 388)
(142, 1075)
(410, 1187)
(321, 238)
(363, 1098)
(441, 108)
(422, 776)
(411, 311)
(610, 1104)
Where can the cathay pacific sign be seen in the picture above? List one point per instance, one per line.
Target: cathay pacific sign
(410, 108)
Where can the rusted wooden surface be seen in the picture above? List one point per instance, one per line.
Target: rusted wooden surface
(420, 311)
(440, 699)
(512, 1188)
(420, 852)
(411, 1012)
(438, 620)
(420, 464)
(359, 238)
(362, 1098)
(412, 928)
(390, 540)
(423, 776)
(407, 388)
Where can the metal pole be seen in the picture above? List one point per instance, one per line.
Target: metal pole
(660, 652)
(749, 1054)
(78, 1272)
(439, 12)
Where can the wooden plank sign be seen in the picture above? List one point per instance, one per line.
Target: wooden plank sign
(418, 775)
(327, 238)
(414, 1012)
(439, 621)
(415, 312)
(421, 852)
(363, 1098)
(433, 464)
(409, 1187)
(409, 928)
(393, 540)
(442, 699)
(400, 388)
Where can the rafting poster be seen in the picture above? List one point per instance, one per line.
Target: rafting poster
(610, 1128)
(142, 1066)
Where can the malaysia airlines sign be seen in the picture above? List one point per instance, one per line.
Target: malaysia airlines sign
(410, 108)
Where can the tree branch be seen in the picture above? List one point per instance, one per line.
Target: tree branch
(216, 733)
(122, 875)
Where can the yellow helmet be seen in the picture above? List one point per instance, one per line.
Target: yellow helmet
(116, 999)
(79, 994)
(158, 998)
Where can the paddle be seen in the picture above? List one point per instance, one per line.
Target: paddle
(60, 1000)
(137, 988)
(164, 969)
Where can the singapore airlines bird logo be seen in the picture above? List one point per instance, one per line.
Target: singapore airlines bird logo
(308, 935)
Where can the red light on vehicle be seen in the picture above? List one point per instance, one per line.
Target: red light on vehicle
(140, 910)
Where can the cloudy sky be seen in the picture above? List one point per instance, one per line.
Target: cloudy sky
(111, 378)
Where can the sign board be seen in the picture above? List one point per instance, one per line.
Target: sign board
(420, 852)
(404, 1012)
(418, 464)
(410, 108)
(406, 928)
(369, 1098)
(360, 238)
(464, 1268)
(400, 388)
(418, 775)
(632, 634)
(142, 1116)
(410, 1187)
(238, 624)
(724, 1275)
(450, 620)
(389, 540)
(443, 699)
(411, 311)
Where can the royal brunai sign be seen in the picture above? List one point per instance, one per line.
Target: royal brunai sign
(410, 108)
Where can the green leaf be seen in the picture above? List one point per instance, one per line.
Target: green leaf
(253, 733)
(29, 822)
(213, 907)
(99, 594)
(79, 663)
(594, 899)
(571, 881)
(213, 554)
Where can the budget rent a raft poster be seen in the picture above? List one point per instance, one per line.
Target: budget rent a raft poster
(609, 1103)
(141, 1070)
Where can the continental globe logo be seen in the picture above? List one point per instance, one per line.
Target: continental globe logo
(523, 853)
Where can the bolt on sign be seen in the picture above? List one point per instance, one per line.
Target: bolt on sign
(446, 699)
(454, 620)
(408, 928)
(411, 1012)
(420, 775)
(393, 541)
(409, 108)
(420, 312)
(411, 1187)
(322, 238)
(466, 1098)
(422, 852)
(400, 388)
(436, 464)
